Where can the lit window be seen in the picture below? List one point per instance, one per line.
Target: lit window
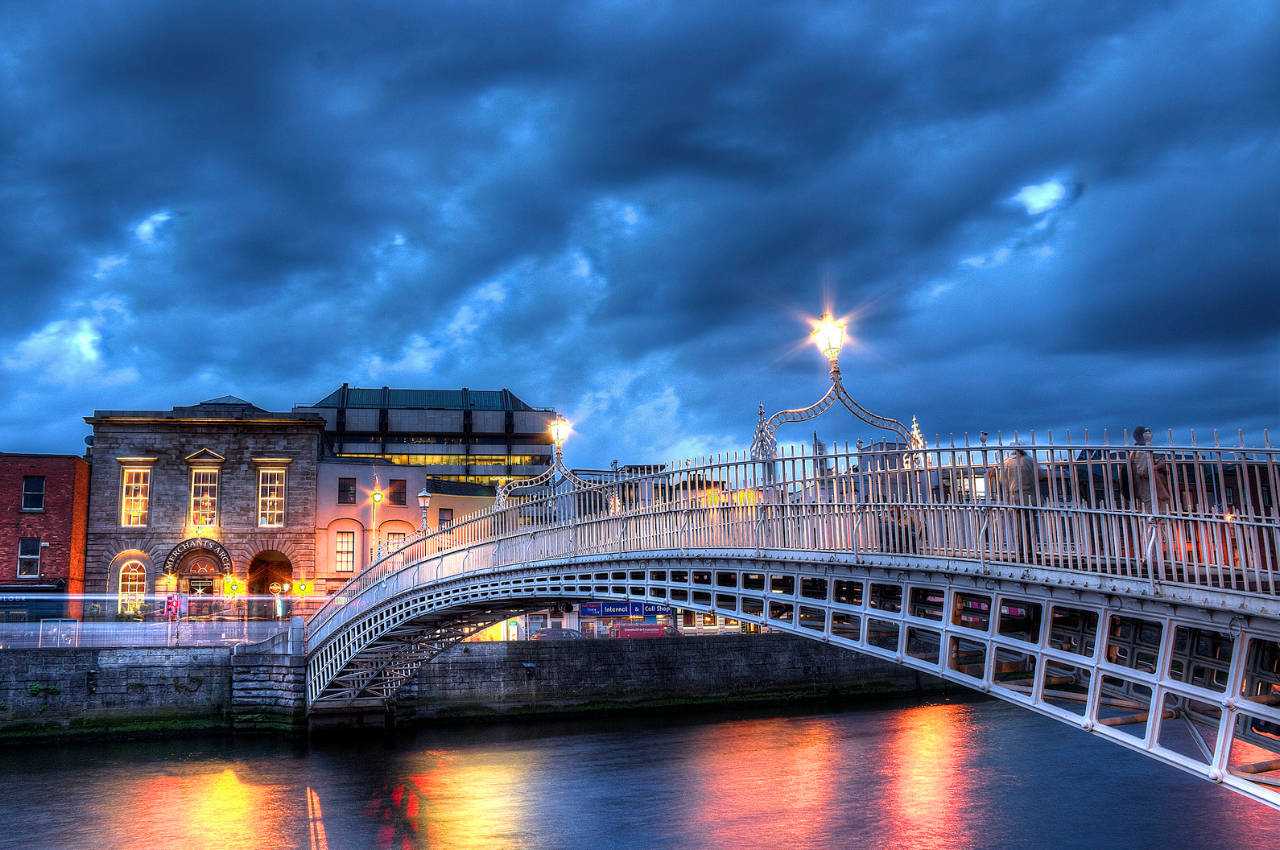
(135, 496)
(346, 491)
(395, 539)
(344, 551)
(33, 493)
(271, 497)
(396, 492)
(133, 585)
(29, 557)
(204, 497)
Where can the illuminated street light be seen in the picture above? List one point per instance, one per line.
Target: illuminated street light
(424, 502)
(828, 335)
(375, 499)
(559, 428)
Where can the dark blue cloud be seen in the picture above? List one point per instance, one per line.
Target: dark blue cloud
(1040, 217)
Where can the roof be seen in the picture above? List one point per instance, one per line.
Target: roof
(222, 408)
(463, 399)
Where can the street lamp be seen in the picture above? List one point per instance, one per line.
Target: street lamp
(559, 429)
(424, 502)
(375, 499)
(828, 334)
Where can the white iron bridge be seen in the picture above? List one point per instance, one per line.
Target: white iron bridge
(1132, 592)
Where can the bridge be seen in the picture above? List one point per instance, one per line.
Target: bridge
(1126, 590)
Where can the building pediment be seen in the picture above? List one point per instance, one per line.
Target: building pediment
(205, 456)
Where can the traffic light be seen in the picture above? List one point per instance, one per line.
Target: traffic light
(302, 588)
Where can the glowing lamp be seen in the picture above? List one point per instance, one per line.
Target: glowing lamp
(829, 336)
(424, 499)
(376, 496)
(559, 429)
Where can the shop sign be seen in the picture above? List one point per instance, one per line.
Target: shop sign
(193, 543)
(621, 609)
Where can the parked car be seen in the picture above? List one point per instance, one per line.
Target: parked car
(642, 630)
(557, 633)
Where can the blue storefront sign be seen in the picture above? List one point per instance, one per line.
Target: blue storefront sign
(621, 609)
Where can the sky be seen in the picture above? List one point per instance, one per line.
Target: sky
(1032, 215)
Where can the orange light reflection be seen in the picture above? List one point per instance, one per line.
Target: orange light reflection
(929, 778)
(734, 782)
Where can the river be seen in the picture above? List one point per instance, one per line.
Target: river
(954, 775)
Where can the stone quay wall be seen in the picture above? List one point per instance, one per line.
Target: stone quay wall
(164, 690)
(51, 692)
(537, 676)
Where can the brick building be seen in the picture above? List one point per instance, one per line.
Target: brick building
(190, 499)
(43, 506)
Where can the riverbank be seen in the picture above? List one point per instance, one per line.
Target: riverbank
(156, 692)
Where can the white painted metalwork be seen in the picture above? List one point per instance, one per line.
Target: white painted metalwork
(1149, 615)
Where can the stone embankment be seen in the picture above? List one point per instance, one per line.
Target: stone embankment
(59, 692)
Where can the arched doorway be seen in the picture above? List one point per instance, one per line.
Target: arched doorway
(266, 569)
(198, 577)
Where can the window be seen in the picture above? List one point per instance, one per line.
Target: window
(33, 492)
(396, 492)
(344, 551)
(395, 539)
(346, 491)
(446, 516)
(135, 495)
(204, 497)
(29, 557)
(271, 497)
(133, 585)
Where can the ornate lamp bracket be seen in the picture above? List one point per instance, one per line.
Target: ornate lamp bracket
(764, 444)
(544, 478)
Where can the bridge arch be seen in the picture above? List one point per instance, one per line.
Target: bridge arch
(1159, 632)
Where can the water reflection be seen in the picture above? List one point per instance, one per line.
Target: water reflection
(450, 799)
(218, 809)
(930, 771)
(732, 788)
(972, 775)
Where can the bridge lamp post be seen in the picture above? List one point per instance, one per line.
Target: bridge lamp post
(560, 430)
(424, 502)
(375, 499)
(828, 334)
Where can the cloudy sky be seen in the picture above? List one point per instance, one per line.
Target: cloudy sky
(1034, 215)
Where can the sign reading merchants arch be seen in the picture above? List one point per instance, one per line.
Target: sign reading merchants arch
(193, 543)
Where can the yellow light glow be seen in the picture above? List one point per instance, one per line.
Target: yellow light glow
(376, 496)
(559, 429)
(829, 336)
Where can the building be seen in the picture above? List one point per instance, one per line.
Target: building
(44, 501)
(367, 507)
(204, 501)
(470, 436)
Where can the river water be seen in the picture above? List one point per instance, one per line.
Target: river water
(953, 775)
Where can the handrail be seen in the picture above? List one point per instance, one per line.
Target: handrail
(1212, 517)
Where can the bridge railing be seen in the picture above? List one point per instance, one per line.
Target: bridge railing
(1188, 514)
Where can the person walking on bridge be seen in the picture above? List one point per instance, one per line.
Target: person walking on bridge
(1149, 473)
(1020, 478)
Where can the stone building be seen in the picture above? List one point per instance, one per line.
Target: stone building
(43, 505)
(199, 501)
